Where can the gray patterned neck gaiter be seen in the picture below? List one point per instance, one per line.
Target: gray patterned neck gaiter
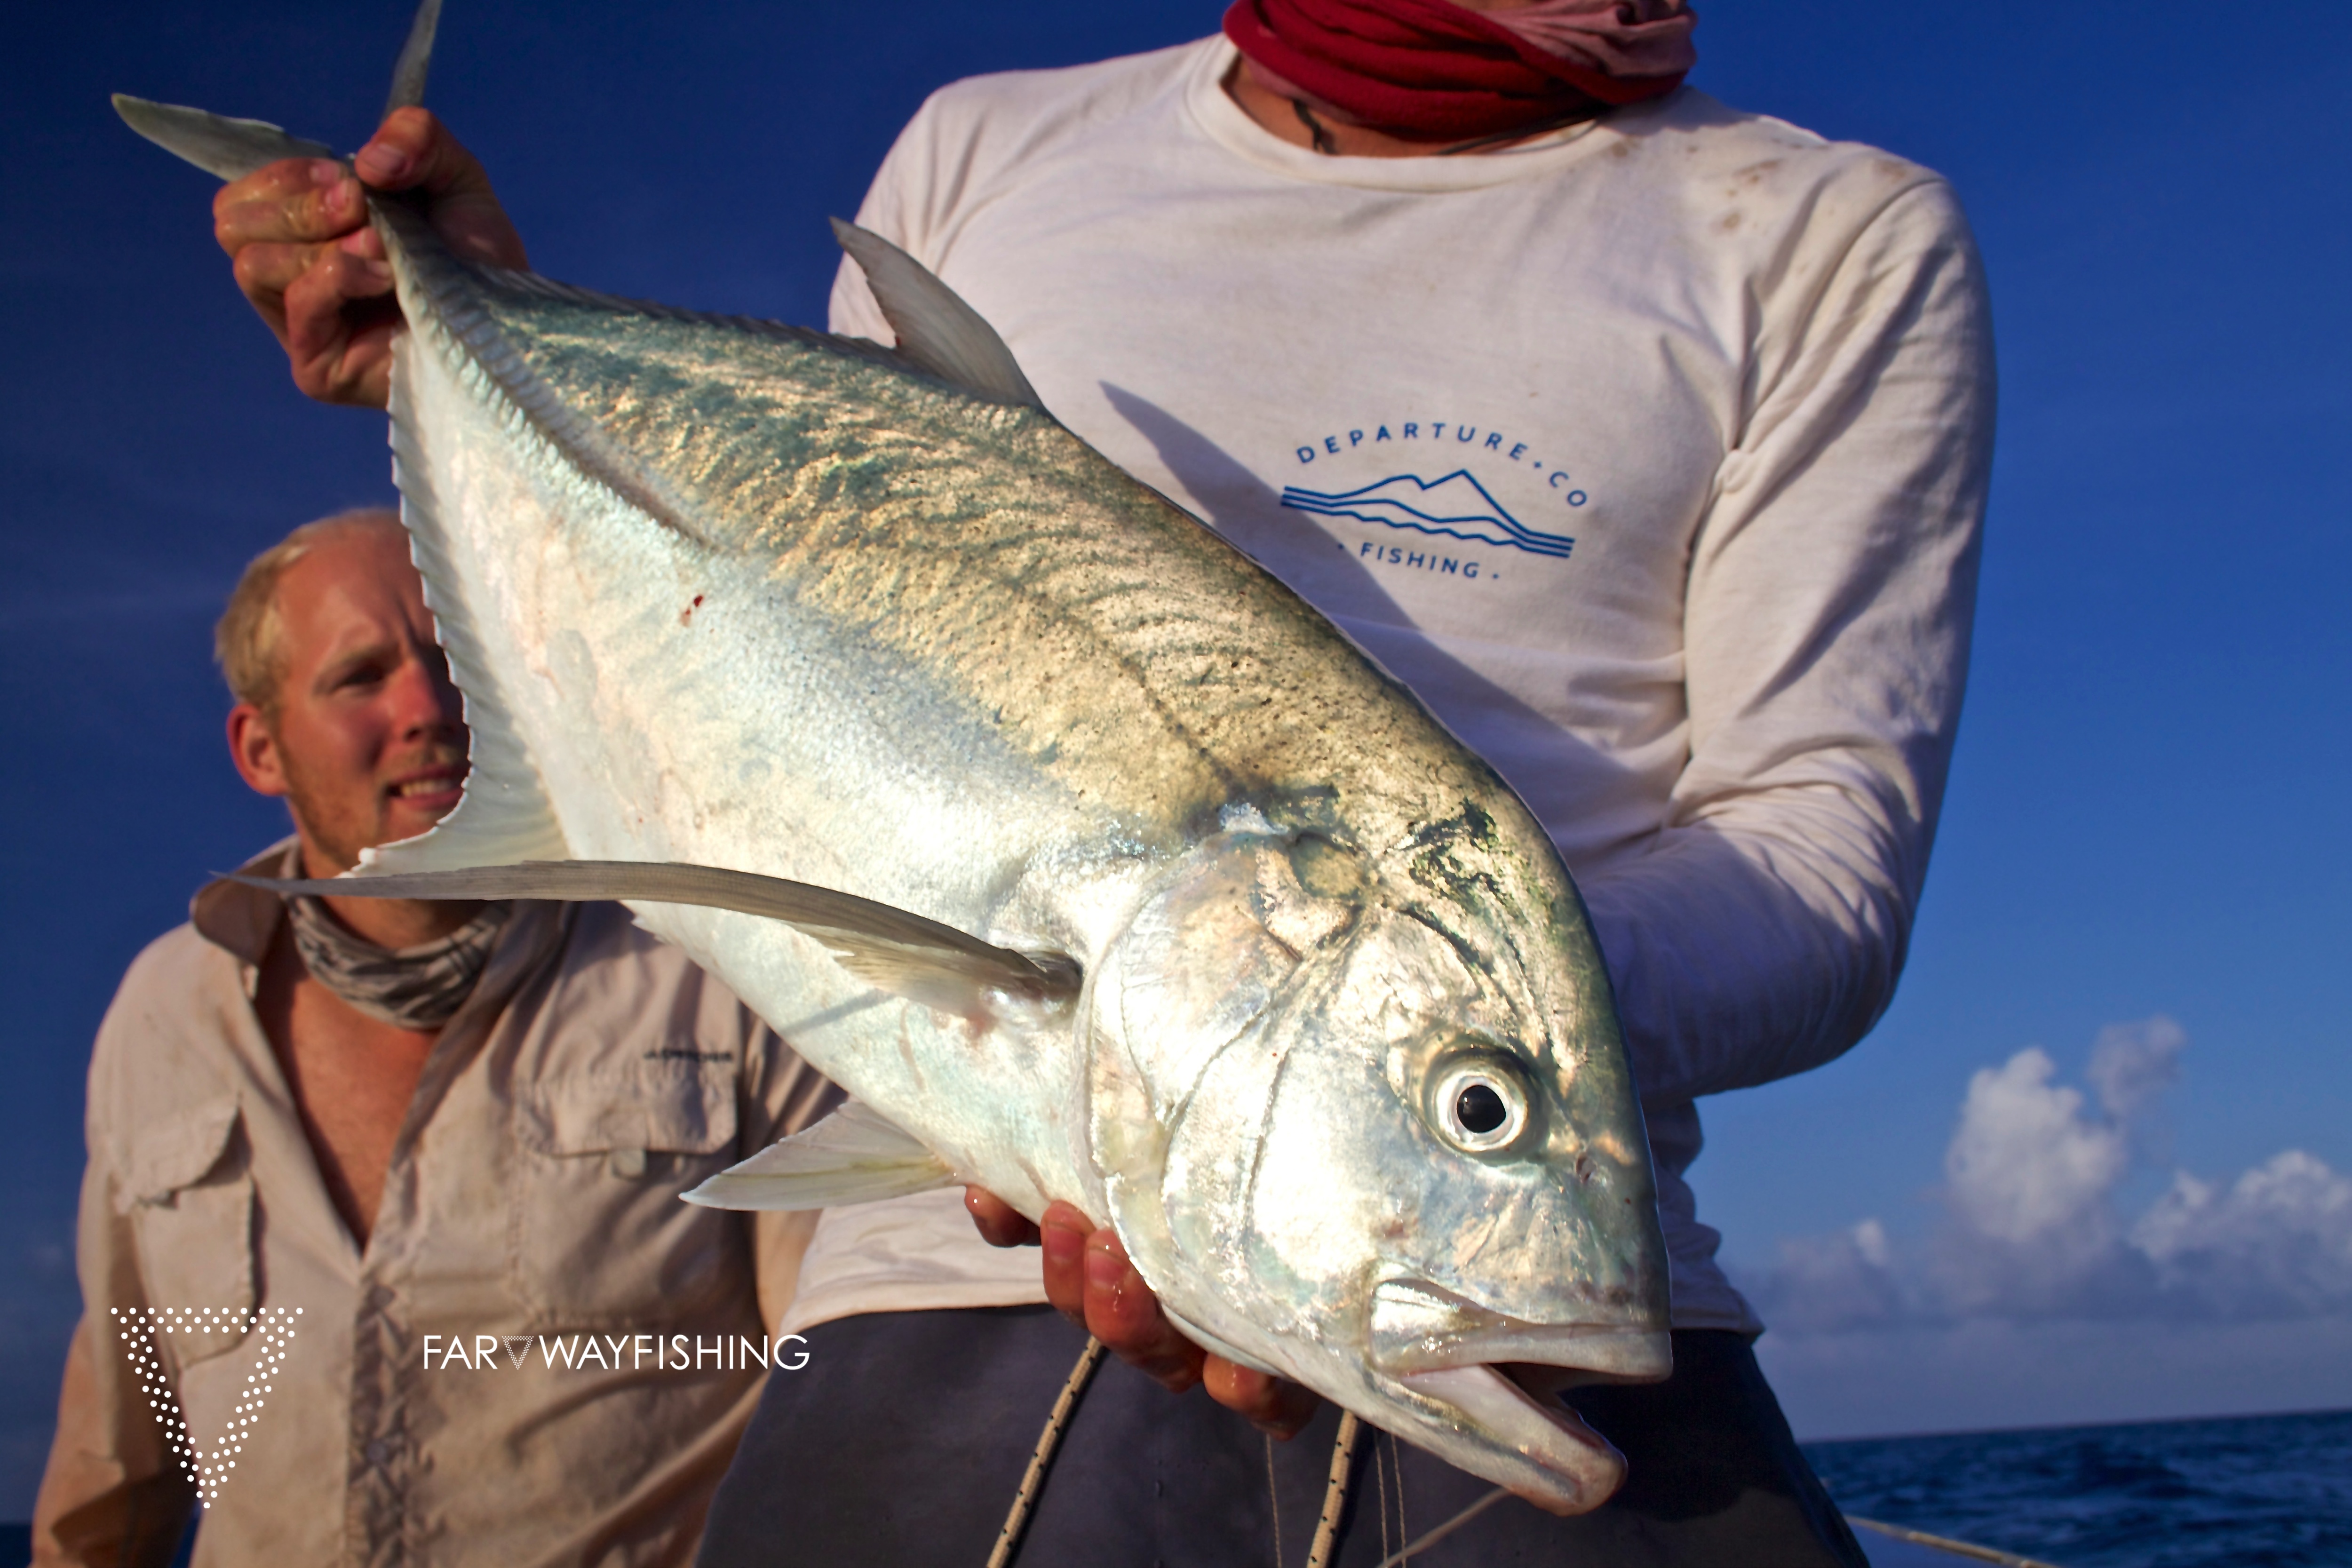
(416, 988)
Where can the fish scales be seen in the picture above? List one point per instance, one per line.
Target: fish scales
(961, 531)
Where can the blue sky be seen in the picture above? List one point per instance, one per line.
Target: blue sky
(2144, 819)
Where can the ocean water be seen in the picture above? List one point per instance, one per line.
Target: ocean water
(2258, 1491)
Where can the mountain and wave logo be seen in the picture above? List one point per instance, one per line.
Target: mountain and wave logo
(1456, 506)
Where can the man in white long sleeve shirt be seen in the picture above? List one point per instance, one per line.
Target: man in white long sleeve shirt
(1688, 561)
(1647, 444)
(1650, 453)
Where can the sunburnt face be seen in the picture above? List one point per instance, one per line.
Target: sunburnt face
(368, 743)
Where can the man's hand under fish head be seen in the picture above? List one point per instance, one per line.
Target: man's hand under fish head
(1090, 1282)
(297, 235)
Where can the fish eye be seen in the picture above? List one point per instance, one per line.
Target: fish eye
(1480, 1108)
(1480, 1105)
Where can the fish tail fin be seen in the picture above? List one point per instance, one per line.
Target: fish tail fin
(230, 149)
(415, 56)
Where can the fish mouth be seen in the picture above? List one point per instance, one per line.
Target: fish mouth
(1417, 1327)
(1500, 1377)
(1577, 1466)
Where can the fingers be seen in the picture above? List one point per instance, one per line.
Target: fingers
(1064, 1231)
(302, 201)
(338, 325)
(1000, 1224)
(306, 257)
(265, 272)
(1122, 1312)
(413, 151)
(1089, 1281)
(303, 256)
(1273, 1405)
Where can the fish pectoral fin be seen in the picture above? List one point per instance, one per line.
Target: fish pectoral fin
(852, 1156)
(891, 949)
(230, 149)
(948, 979)
(936, 331)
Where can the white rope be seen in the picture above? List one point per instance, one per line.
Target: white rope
(1946, 1543)
(1335, 1491)
(1273, 1500)
(1033, 1481)
(1448, 1528)
(1335, 1487)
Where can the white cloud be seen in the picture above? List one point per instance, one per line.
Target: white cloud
(1844, 1280)
(2276, 1242)
(2132, 1064)
(2026, 1168)
(2032, 1230)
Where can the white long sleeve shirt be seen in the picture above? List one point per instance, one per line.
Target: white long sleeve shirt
(1651, 454)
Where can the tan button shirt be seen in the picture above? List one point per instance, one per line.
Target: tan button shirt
(592, 1076)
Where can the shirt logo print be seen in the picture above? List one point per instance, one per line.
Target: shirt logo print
(1457, 507)
(138, 1326)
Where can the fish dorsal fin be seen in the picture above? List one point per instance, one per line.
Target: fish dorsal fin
(415, 57)
(852, 1156)
(936, 331)
(890, 949)
(229, 149)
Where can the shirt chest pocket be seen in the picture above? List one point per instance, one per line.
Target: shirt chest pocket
(187, 1192)
(599, 1236)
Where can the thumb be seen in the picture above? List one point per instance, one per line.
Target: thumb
(413, 151)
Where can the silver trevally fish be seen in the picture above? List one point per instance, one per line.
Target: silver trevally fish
(1094, 863)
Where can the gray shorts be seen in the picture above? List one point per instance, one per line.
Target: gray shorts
(902, 1442)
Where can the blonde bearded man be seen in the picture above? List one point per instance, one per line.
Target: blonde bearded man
(406, 1129)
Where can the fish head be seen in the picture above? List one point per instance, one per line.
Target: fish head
(1366, 1121)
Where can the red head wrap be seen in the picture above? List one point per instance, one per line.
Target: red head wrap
(1432, 71)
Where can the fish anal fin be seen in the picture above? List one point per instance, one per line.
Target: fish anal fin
(852, 1156)
(936, 331)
